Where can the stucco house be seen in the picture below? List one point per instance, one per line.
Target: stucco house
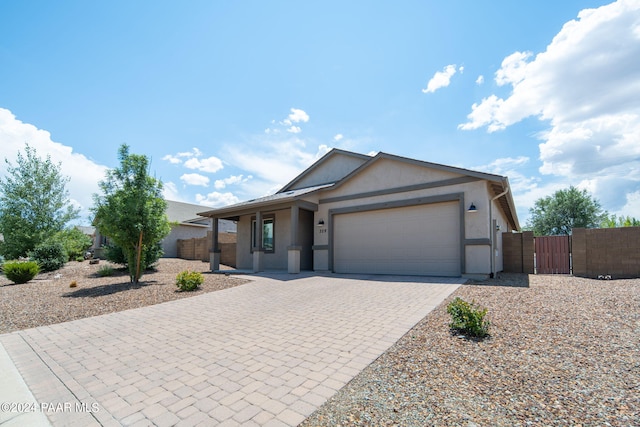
(382, 214)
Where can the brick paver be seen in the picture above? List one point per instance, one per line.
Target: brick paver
(265, 353)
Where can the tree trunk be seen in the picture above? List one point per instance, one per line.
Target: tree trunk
(138, 256)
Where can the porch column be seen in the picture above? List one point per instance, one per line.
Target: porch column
(214, 254)
(293, 248)
(258, 250)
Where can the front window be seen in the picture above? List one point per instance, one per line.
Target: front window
(268, 225)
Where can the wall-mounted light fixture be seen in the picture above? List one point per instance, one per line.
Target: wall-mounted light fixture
(498, 227)
(321, 223)
(472, 208)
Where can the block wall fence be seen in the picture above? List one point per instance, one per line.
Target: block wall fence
(594, 252)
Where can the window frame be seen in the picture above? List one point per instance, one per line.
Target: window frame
(252, 238)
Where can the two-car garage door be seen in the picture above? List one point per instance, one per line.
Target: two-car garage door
(414, 240)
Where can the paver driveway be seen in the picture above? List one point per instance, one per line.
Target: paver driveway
(265, 353)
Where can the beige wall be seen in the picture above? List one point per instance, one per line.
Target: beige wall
(278, 260)
(169, 243)
(332, 170)
(388, 173)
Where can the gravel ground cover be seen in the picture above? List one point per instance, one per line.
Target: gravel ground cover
(563, 351)
(49, 299)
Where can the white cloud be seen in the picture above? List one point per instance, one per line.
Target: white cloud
(172, 159)
(441, 78)
(216, 199)
(586, 86)
(210, 164)
(322, 150)
(294, 129)
(195, 179)
(170, 192)
(176, 159)
(219, 184)
(296, 116)
(480, 79)
(338, 137)
(195, 152)
(84, 173)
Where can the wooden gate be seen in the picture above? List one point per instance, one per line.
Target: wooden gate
(553, 255)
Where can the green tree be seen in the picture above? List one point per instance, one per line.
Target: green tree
(74, 242)
(131, 210)
(34, 203)
(623, 221)
(564, 210)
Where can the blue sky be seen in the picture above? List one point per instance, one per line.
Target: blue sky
(231, 100)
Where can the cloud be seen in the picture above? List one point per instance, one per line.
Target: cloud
(176, 159)
(195, 179)
(441, 78)
(338, 137)
(170, 192)
(586, 87)
(195, 152)
(216, 199)
(210, 164)
(219, 184)
(172, 159)
(296, 116)
(480, 80)
(84, 174)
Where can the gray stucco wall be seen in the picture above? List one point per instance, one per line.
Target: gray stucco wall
(170, 244)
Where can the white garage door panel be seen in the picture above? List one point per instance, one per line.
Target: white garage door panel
(422, 239)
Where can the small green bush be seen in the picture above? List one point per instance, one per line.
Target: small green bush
(150, 255)
(189, 280)
(50, 256)
(468, 319)
(105, 271)
(21, 272)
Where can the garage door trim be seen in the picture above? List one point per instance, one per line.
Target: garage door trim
(453, 197)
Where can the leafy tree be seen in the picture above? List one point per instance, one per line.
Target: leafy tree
(34, 203)
(623, 221)
(74, 242)
(566, 209)
(131, 210)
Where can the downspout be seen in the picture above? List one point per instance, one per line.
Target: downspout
(492, 231)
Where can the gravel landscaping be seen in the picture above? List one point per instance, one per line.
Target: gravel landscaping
(563, 351)
(49, 299)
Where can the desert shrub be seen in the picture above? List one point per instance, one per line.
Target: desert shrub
(74, 242)
(150, 255)
(468, 318)
(189, 280)
(50, 256)
(21, 272)
(105, 271)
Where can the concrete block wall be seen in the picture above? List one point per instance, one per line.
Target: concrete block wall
(517, 249)
(606, 251)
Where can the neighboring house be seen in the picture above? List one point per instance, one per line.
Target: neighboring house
(353, 213)
(185, 224)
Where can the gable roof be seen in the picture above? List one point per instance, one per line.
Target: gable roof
(335, 152)
(499, 184)
(187, 214)
(273, 199)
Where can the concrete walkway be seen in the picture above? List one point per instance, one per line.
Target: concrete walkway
(265, 353)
